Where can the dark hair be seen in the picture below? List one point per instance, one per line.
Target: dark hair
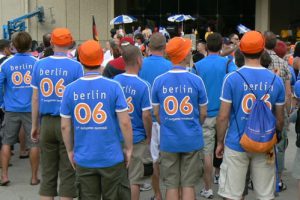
(46, 40)
(265, 59)
(197, 57)
(4, 44)
(253, 56)
(270, 40)
(140, 36)
(22, 41)
(297, 50)
(34, 45)
(232, 35)
(90, 67)
(214, 42)
(239, 58)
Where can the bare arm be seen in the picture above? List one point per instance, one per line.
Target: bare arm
(126, 128)
(35, 126)
(288, 95)
(279, 113)
(147, 121)
(203, 113)
(66, 124)
(156, 113)
(222, 125)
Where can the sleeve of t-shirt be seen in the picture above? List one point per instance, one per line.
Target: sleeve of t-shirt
(34, 82)
(226, 94)
(2, 81)
(281, 95)
(121, 104)
(146, 101)
(231, 67)
(155, 99)
(297, 89)
(65, 108)
(202, 97)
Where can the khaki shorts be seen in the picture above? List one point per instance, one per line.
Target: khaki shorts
(140, 156)
(55, 161)
(296, 166)
(108, 183)
(209, 132)
(234, 170)
(11, 128)
(180, 169)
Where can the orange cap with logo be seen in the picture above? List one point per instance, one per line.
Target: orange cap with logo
(90, 53)
(178, 48)
(252, 42)
(61, 37)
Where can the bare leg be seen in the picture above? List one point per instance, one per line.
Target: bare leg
(188, 193)
(135, 192)
(5, 156)
(172, 194)
(208, 168)
(34, 162)
(155, 182)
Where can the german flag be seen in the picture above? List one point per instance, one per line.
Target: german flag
(95, 33)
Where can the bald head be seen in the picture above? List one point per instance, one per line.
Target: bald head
(270, 40)
(131, 55)
(157, 42)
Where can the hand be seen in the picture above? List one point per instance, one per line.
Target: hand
(220, 150)
(35, 134)
(128, 154)
(71, 159)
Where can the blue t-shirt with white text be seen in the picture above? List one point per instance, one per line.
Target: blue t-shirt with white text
(93, 103)
(15, 79)
(50, 77)
(137, 93)
(179, 94)
(236, 91)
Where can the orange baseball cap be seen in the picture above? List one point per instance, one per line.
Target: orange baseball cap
(252, 42)
(90, 53)
(61, 37)
(178, 48)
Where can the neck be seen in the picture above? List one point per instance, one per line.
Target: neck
(252, 62)
(157, 53)
(57, 49)
(132, 70)
(213, 53)
(96, 71)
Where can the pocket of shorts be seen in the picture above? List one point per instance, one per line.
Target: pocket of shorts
(223, 177)
(148, 169)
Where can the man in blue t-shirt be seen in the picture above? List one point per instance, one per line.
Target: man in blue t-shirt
(15, 100)
(179, 100)
(153, 66)
(50, 76)
(137, 93)
(212, 69)
(237, 100)
(96, 105)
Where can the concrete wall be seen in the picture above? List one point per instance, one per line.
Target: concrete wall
(262, 15)
(73, 14)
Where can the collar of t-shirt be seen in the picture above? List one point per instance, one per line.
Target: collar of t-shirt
(178, 69)
(252, 67)
(132, 75)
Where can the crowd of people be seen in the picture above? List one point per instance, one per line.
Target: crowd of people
(99, 122)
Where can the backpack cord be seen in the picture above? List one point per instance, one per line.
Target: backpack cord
(235, 114)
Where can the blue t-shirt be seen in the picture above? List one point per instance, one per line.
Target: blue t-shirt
(179, 94)
(154, 66)
(297, 89)
(15, 79)
(212, 70)
(137, 93)
(50, 76)
(92, 103)
(236, 92)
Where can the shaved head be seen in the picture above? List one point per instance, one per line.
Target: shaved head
(131, 54)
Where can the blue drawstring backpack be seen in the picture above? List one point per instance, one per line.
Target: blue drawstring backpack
(259, 135)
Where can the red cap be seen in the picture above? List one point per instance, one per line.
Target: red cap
(252, 42)
(61, 37)
(90, 53)
(126, 41)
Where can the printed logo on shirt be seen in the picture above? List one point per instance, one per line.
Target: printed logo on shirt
(18, 78)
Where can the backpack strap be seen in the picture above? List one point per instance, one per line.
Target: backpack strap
(246, 82)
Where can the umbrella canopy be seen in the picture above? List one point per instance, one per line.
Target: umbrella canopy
(122, 19)
(180, 18)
